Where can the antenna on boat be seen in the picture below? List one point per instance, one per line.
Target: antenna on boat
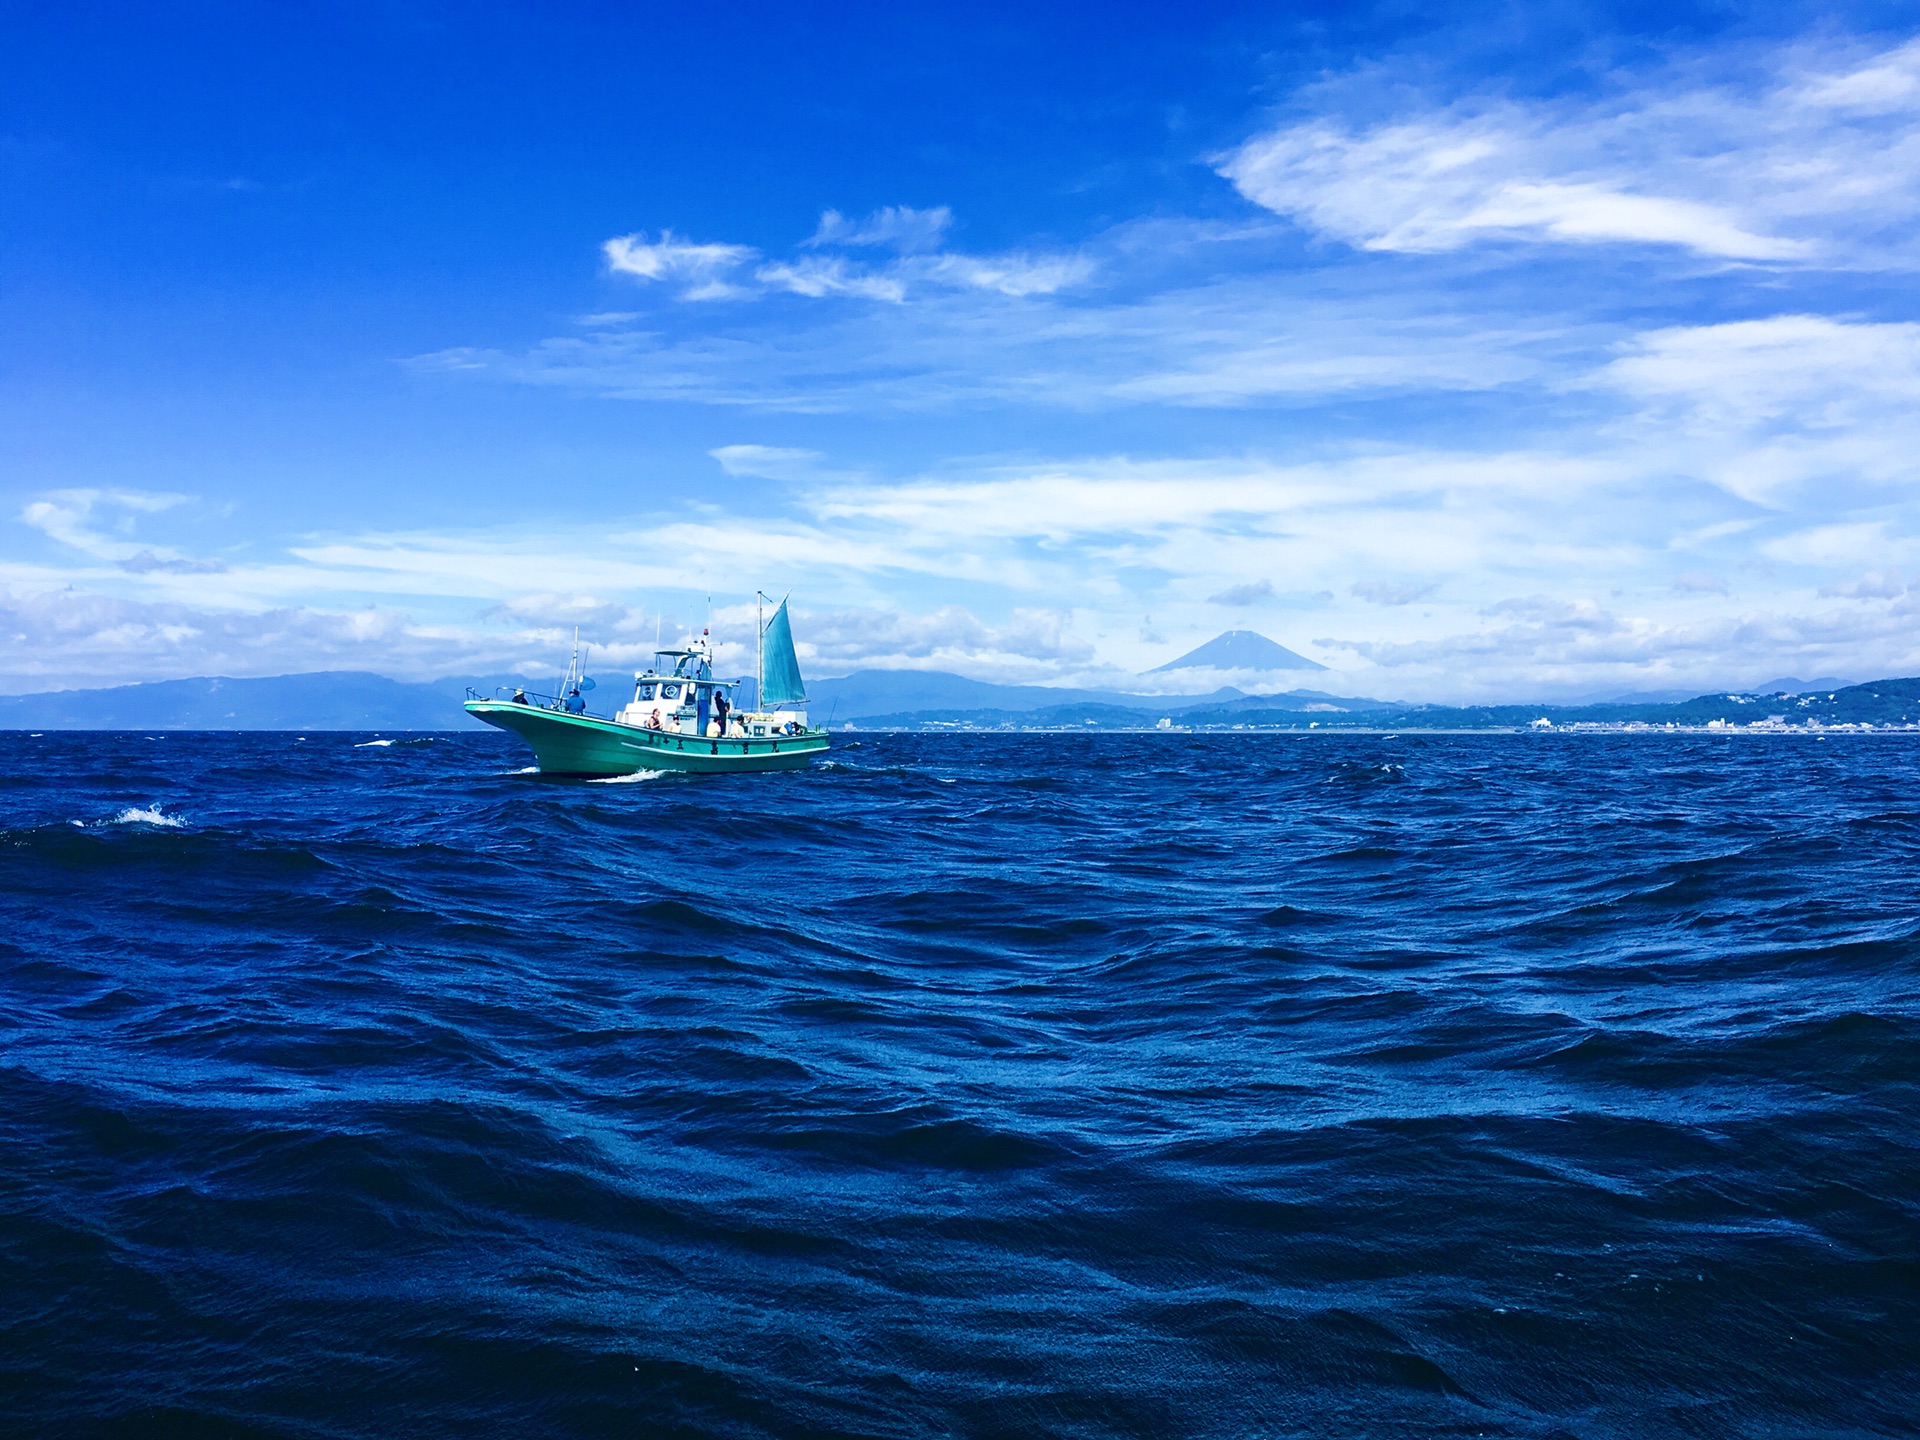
(759, 649)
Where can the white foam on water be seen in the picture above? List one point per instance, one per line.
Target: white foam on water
(369, 744)
(632, 779)
(526, 770)
(149, 816)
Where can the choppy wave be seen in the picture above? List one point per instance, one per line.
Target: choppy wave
(137, 815)
(1350, 1085)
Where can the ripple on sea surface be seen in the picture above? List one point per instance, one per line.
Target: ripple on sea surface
(1215, 1085)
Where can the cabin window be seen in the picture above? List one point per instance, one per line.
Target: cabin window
(669, 691)
(645, 692)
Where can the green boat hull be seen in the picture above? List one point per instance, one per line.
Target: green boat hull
(586, 745)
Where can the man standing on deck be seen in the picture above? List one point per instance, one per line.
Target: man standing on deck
(720, 708)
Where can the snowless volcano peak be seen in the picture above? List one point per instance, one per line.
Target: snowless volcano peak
(1239, 650)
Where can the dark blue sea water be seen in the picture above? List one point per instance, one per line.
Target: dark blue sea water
(1093, 1085)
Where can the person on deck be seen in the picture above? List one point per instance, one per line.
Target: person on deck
(520, 696)
(653, 720)
(720, 708)
(576, 702)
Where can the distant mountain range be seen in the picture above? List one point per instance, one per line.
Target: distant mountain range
(320, 700)
(903, 699)
(357, 700)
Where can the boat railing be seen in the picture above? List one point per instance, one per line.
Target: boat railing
(535, 699)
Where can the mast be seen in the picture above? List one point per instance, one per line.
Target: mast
(759, 650)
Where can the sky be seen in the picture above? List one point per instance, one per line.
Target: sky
(1477, 352)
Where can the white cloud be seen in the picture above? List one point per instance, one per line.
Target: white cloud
(1700, 582)
(1233, 341)
(900, 226)
(1251, 593)
(1840, 544)
(1034, 640)
(1809, 370)
(824, 276)
(1059, 560)
(700, 267)
(709, 271)
(1392, 592)
(1012, 274)
(771, 462)
(1441, 184)
(66, 637)
(101, 523)
(1888, 83)
(1821, 163)
(1551, 645)
(1767, 408)
(1872, 585)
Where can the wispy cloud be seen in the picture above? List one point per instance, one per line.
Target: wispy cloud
(1059, 559)
(1012, 274)
(1815, 372)
(1762, 407)
(68, 636)
(1570, 644)
(1873, 585)
(1231, 340)
(1034, 640)
(1251, 593)
(1393, 592)
(772, 462)
(101, 524)
(900, 227)
(709, 271)
(1819, 163)
(817, 277)
(699, 267)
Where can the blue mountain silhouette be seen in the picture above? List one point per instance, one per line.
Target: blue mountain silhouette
(1239, 650)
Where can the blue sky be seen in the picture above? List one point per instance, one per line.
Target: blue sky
(1531, 351)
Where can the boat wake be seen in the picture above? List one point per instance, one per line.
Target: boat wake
(633, 779)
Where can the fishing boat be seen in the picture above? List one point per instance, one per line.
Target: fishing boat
(681, 716)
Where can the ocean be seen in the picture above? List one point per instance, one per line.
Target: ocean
(962, 1085)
